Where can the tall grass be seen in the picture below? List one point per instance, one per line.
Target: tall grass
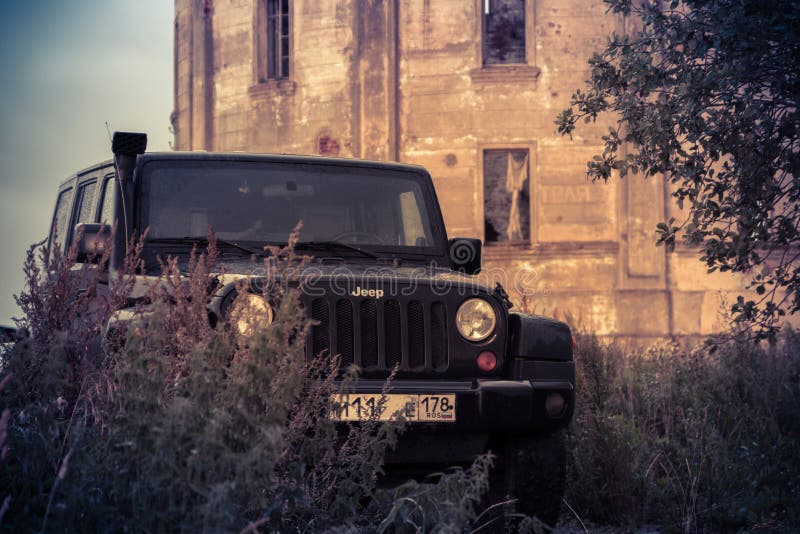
(172, 424)
(695, 440)
(177, 425)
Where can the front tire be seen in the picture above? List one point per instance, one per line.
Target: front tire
(532, 470)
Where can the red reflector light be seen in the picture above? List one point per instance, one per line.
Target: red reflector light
(487, 361)
(555, 405)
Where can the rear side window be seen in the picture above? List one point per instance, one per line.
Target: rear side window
(86, 199)
(61, 219)
(107, 210)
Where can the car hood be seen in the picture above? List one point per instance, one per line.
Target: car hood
(344, 274)
(368, 272)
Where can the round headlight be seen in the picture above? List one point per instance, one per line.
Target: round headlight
(475, 319)
(249, 312)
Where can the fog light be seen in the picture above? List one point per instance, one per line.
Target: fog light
(487, 361)
(555, 405)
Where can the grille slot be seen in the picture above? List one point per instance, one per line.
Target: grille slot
(344, 331)
(320, 333)
(369, 333)
(416, 334)
(438, 336)
(394, 348)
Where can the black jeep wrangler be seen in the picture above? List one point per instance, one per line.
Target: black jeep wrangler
(386, 290)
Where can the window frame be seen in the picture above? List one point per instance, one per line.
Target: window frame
(533, 191)
(261, 44)
(530, 45)
(484, 36)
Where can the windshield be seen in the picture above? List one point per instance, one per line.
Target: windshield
(261, 202)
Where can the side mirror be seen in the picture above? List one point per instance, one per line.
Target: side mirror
(465, 254)
(93, 241)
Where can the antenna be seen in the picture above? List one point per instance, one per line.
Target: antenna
(108, 129)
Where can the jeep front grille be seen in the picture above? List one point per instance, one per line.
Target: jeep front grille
(376, 335)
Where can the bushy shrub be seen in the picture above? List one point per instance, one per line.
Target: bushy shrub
(175, 424)
(179, 425)
(688, 440)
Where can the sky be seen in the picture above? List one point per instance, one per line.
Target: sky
(67, 68)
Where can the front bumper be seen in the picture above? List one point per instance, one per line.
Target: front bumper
(509, 405)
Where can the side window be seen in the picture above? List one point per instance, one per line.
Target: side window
(503, 31)
(86, 199)
(107, 209)
(61, 219)
(85, 208)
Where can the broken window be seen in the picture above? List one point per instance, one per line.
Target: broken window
(503, 31)
(277, 44)
(506, 194)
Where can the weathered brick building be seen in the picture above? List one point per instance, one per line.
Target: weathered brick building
(470, 89)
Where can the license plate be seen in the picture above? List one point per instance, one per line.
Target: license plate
(422, 408)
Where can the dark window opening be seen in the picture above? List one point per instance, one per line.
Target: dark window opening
(503, 31)
(506, 194)
(277, 39)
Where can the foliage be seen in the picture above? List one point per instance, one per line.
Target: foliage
(442, 506)
(181, 426)
(706, 93)
(690, 441)
(178, 425)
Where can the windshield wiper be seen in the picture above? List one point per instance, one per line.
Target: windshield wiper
(332, 246)
(204, 241)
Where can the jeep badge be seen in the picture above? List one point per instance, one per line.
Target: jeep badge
(358, 292)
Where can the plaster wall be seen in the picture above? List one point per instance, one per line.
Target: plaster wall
(404, 80)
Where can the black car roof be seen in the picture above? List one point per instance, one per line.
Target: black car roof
(246, 156)
(279, 158)
(87, 170)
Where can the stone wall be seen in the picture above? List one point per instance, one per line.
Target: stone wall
(405, 80)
